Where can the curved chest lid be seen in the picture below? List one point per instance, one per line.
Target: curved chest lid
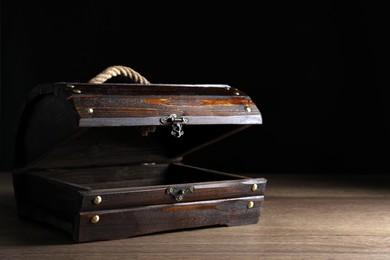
(87, 125)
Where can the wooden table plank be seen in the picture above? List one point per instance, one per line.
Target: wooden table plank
(304, 217)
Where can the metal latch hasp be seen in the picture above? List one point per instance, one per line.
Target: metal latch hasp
(176, 122)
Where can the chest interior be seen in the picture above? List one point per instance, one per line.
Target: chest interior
(121, 157)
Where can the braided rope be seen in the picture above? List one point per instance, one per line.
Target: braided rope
(118, 70)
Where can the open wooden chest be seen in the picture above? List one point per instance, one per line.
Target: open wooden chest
(104, 161)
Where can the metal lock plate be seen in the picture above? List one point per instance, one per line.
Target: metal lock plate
(180, 192)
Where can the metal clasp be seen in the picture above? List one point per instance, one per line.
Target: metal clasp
(180, 192)
(176, 122)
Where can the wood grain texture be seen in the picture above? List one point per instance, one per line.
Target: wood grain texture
(135, 199)
(117, 224)
(303, 217)
(140, 104)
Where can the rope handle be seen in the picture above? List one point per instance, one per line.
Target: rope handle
(118, 70)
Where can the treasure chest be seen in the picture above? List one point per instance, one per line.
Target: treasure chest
(104, 160)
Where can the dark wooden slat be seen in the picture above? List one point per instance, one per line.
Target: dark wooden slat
(156, 101)
(149, 110)
(140, 185)
(119, 224)
(156, 195)
(117, 105)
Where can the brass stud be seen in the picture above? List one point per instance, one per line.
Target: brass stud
(97, 200)
(95, 219)
(69, 86)
(254, 187)
(250, 204)
(78, 91)
(237, 93)
(247, 109)
(89, 110)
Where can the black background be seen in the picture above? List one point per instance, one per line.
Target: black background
(317, 71)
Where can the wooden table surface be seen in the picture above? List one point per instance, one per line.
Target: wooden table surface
(304, 217)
